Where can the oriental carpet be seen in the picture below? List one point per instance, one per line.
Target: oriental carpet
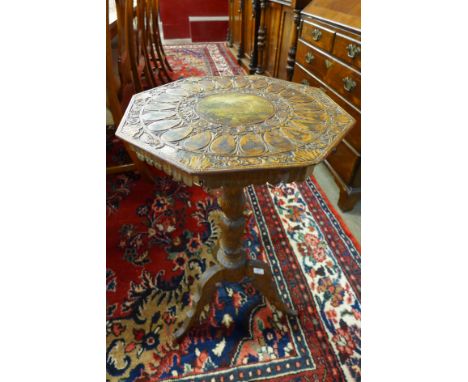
(158, 241)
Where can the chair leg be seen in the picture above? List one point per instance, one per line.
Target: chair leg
(121, 168)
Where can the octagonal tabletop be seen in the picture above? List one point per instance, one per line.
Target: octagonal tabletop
(205, 127)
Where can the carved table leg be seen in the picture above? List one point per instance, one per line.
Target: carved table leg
(202, 297)
(233, 265)
(230, 253)
(262, 280)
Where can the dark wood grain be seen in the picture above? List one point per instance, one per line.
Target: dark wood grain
(342, 51)
(332, 63)
(331, 71)
(273, 14)
(311, 59)
(263, 35)
(235, 25)
(346, 14)
(287, 31)
(344, 159)
(317, 35)
(293, 45)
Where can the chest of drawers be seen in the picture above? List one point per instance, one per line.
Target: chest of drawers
(328, 56)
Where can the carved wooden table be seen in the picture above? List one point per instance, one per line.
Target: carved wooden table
(230, 132)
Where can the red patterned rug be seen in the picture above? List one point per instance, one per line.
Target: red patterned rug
(155, 236)
(203, 59)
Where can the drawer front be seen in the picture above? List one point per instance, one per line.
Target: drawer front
(301, 77)
(344, 161)
(354, 135)
(348, 50)
(344, 80)
(311, 59)
(318, 35)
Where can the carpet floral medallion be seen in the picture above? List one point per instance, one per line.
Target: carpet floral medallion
(159, 241)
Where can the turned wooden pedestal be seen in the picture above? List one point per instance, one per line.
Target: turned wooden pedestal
(227, 133)
(233, 265)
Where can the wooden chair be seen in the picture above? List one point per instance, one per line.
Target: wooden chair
(141, 63)
(153, 15)
(117, 100)
(142, 44)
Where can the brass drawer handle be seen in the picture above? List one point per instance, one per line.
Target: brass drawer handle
(316, 34)
(305, 82)
(309, 57)
(353, 50)
(349, 84)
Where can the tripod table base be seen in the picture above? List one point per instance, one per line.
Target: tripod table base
(232, 265)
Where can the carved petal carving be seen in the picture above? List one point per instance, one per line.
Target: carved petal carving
(198, 141)
(213, 124)
(164, 124)
(223, 145)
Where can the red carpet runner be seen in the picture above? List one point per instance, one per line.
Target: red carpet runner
(155, 233)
